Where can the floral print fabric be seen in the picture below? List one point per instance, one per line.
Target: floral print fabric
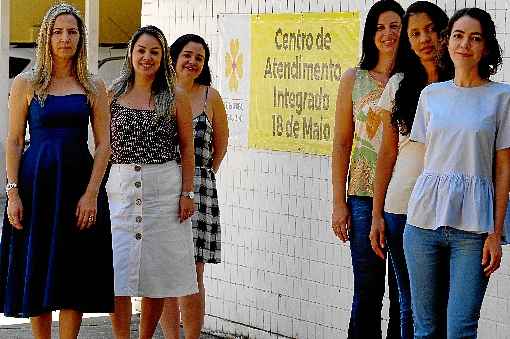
(367, 133)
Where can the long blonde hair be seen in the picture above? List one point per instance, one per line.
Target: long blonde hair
(44, 60)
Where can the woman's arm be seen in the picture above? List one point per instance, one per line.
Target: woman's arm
(220, 129)
(492, 248)
(342, 146)
(109, 96)
(185, 133)
(19, 97)
(386, 159)
(501, 188)
(100, 120)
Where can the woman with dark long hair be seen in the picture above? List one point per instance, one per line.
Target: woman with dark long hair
(452, 240)
(357, 138)
(400, 161)
(190, 55)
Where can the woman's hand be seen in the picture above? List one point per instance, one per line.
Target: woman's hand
(341, 221)
(492, 253)
(86, 211)
(15, 210)
(186, 208)
(377, 237)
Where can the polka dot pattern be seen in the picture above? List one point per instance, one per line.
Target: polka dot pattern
(139, 136)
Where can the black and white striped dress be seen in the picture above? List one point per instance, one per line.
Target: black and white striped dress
(206, 220)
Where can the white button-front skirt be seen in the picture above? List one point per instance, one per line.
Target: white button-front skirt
(153, 252)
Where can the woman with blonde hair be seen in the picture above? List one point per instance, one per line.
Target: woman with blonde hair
(151, 196)
(56, 242)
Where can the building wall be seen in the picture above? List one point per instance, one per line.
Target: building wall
(118, 19)
(284, 274)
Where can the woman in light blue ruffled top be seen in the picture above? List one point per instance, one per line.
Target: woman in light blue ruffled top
(456, 212)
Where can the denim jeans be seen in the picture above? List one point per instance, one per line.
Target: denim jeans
(393, 331)
(369, 273)
(395, 224)
(447, 281)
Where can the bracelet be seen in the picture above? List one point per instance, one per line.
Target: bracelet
(189, 195)
(10, 186)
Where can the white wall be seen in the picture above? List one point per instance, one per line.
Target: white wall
(283, 273)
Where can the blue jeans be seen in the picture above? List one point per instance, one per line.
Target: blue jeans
(447, 281)
(369, 273)
(395, 224)
(393, 331)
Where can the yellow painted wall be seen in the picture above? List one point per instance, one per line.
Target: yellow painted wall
(119, 19)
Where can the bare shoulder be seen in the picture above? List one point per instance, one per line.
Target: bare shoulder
(99, 84)
(23, 81)
(182, 102)
(346, 83)
(100, 96)
(109, 94)
(180, 94)
(213, 93)
(28, 76)
(214, 96)
(23, 86)
(349, 76)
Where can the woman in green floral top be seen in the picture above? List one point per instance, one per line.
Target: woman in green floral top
(358, 128)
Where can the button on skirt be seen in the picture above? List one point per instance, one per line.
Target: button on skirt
(153, 253)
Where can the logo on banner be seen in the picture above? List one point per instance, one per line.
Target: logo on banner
(234, 65)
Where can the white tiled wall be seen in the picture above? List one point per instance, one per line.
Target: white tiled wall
(284, 274)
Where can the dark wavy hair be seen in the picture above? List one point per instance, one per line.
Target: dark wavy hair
(369, 51)
(176, 48)
(492, 60)
(407, 62)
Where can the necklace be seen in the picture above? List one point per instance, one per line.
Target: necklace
(382, 78)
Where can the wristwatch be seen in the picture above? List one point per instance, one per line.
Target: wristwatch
(190, 195)
(10, 186)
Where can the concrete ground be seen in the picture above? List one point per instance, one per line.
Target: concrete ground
(91, 328)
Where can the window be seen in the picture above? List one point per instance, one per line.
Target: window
(17, 65)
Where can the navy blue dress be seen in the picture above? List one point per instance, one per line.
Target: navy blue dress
(50, 264)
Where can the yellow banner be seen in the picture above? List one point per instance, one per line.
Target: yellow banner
(296, 64)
